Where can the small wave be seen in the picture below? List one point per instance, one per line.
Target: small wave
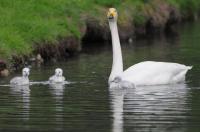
(5, 85)
(47, 82)
(37, 83)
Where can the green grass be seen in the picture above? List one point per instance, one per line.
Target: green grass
(25, 23)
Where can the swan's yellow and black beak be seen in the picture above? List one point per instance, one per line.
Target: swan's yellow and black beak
(112, 13)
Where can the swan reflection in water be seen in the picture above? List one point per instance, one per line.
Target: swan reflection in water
(117, 102)
(24, 92)
(149, 108)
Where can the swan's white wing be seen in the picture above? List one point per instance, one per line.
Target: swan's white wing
(155, 73)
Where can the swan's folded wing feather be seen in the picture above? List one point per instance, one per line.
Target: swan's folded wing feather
(155, 73)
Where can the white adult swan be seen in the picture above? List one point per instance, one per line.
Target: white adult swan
(24, 80)
(143, 73)
(58, 77)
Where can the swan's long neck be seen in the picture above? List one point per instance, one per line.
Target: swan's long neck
(117, 65)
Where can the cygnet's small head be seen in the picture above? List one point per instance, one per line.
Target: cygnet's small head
(25, 72)
(58, 72)
(112, 14)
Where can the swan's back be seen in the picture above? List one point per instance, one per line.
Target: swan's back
(155, 73)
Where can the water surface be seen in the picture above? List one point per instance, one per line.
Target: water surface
(88, 105)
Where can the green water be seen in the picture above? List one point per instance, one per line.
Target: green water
(87, 105)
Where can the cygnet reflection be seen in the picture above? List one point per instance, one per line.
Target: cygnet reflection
(24, 93)
(57, 91)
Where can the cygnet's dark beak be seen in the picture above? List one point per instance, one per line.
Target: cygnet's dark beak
(26, 74)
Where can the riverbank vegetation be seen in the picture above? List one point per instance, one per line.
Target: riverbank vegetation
(26, 25)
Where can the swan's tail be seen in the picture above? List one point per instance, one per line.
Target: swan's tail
(189, 67)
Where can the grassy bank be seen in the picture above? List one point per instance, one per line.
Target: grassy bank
(25, 24)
